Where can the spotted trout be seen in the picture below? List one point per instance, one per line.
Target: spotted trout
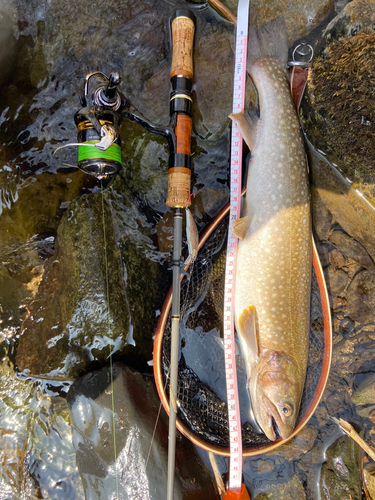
(274, 261)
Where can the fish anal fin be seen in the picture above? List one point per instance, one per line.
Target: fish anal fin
(241, 226)
(247, 329)
(247, 126)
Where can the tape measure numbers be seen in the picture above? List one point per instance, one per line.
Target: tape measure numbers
(234, 419)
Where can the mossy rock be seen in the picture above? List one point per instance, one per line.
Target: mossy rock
(95, 292)
(341, 473)
(338, 110)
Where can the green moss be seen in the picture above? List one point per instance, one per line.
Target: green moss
(341, 104)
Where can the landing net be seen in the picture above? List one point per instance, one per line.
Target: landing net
(202, 413)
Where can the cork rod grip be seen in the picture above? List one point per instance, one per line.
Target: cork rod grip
(182, 47)
(179, 178)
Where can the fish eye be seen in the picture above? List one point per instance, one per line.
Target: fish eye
(287, 410)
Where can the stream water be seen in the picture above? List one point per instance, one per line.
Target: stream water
(57, 328)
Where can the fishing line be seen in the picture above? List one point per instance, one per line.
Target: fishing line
(155, 426)
(109, 332)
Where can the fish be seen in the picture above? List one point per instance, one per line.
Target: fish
(274, 259)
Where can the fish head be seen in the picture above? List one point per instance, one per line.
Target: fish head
(275, 390)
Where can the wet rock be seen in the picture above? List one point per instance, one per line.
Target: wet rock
(361, 298)
(284, 491)
(321, 216)
(365, 394)
(337, 399)
(213, 102)
(265, 466)
(367, 189)
(338, 105)
(27, 229)
(352, 249)
(72, 320)
(30, 211)
(301, 17)
(139, 28)
(33, 426)
(356, 16)
(367, 412)
(354, 214)
(138, 463)
(8, 44)
(341, 473)
(299, 445)
(323, 249)
(340, 4)
(338, 259)
(369, 481)
(322, 415)
(345, 326)
(336, 280)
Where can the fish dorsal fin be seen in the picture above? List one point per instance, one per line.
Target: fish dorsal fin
(247, 126)
(247, 329)
(241, 226)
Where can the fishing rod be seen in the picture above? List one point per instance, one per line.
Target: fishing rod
(99, 154)
(178, 194)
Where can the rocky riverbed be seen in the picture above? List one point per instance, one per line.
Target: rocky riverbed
(64, 308)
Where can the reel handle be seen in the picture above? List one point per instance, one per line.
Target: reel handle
(179, 172)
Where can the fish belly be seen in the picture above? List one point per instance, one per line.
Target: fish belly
(275, 256)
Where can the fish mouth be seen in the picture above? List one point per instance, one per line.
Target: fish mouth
(272, 425)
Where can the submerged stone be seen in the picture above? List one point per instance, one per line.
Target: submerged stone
(96, 294)
(354, 214)
(365, 393)
(35, 442)
(341, 473)
(369, 481)
(114, 418)
(30, 210)
(299, 445)
(290, 490)
(361, 298)
(301, 17)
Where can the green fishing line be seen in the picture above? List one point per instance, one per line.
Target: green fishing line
(109, 335)
(89, 153)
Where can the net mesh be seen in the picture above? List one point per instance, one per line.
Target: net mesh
(201, 393)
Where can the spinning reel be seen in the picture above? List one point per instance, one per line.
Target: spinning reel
(98, 121)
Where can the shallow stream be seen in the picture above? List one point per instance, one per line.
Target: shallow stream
(57, 329)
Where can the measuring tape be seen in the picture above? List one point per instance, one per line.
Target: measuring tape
(234, 419)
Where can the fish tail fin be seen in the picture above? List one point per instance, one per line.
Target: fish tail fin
(268, 42)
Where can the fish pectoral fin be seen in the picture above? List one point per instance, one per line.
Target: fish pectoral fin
(247, 328)
(241, 226)
(247, 126)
